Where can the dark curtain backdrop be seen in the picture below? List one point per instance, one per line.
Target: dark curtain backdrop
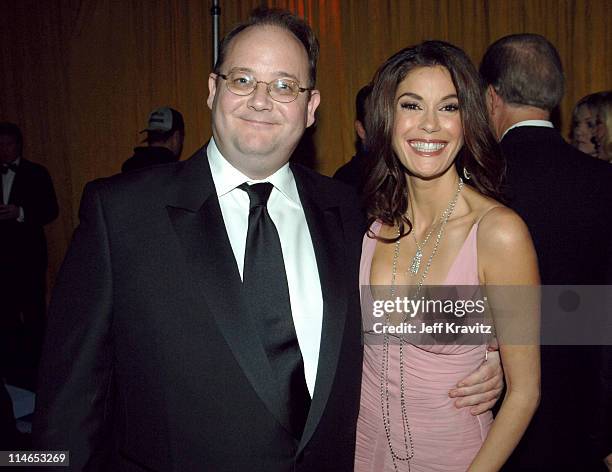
(80, 76)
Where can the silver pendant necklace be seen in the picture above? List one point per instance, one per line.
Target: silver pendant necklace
(415, 265)
(384, 371)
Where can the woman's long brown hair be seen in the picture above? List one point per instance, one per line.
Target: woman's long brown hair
(385, 189)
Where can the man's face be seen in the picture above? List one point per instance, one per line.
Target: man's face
(256, 134)
(8, 149)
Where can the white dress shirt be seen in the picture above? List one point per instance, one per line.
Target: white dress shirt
(7, 185)
(287, 213)
(541, 123)
(7, 182)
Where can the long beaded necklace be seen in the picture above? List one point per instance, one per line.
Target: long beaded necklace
(384, 371)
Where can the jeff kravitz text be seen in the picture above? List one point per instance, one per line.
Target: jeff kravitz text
(446, 327)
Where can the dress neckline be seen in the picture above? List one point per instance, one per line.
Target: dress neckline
(377, 225)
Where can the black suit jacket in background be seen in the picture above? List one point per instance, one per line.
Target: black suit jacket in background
(23, 269)
(565, 198)
(151, 362)
(24, 244)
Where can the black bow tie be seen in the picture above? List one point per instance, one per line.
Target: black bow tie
(4, 168)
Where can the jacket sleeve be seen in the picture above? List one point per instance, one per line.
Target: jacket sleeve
(39, 201)
(74, 400)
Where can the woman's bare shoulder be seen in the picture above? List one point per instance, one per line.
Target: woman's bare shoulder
(505, 250)
(492, 216)
(501, 226)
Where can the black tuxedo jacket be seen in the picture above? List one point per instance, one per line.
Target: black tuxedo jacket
(23, 244)
(150, 362)
(565, 198)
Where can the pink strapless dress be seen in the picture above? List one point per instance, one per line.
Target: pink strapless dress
(444, 437)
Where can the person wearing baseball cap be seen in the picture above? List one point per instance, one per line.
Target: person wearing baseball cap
(165, 135)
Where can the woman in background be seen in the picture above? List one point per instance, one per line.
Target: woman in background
(582, 133)
(427, 117)
(603, 126)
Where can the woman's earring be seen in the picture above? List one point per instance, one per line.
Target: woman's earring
(466, 174)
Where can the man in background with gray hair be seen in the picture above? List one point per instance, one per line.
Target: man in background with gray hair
(565, 199)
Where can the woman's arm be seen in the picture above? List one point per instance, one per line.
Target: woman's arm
(508, 266)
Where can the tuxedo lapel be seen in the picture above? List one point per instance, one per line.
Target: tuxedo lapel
(14, 197)
(326, 233)
(198, 222)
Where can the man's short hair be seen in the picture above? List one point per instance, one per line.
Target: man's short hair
(524, 69)
(360, 102)
(282, 19)
(11, 129)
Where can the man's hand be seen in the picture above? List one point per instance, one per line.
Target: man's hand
(482, 388)
(9, 212)
(608, 461)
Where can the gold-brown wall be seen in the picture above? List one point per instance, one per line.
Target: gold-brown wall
(80, 76)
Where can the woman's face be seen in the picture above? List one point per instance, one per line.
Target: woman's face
(427, 131)
(584, 129)
(599, 134)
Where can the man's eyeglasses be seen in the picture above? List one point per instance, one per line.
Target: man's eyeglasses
(280, 90)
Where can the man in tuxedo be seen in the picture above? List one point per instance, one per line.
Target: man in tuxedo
(207, 314)
(565, 197)
(27, 203)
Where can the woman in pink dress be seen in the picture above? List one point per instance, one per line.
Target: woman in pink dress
(426, 126)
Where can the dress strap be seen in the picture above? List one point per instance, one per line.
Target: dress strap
(486, 213)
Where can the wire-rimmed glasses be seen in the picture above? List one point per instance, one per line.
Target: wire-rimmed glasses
(281, 90)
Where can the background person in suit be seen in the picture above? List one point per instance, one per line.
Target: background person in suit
(27, 203)
(565, 199)
(159, 354)
(353, 172)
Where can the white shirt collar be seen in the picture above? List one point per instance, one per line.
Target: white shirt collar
(542, 123)
(226, 177)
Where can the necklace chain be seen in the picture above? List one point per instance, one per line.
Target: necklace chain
(384, 372)
(415, 265)
(418, 256)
